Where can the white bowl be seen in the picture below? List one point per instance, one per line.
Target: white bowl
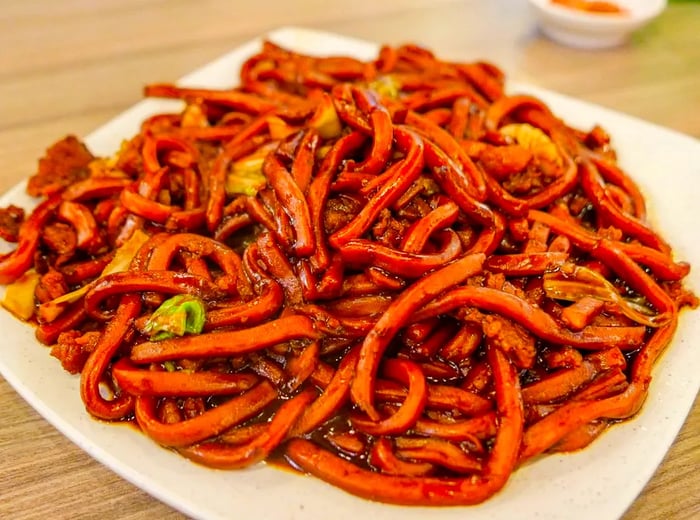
(587, 30)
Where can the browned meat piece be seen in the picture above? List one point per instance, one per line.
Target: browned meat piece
(512, 339)
(51, 286)
(73, 349)
(563, 357)
(597, 138)
(530, 180)
(680, 295)
(388, 231)
(65, 162)
(339, 212)
(502, 161)
(60, 237)
(11, 219)
(169, 412)
(193, 406)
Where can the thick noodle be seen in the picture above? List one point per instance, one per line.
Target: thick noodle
(391, 273)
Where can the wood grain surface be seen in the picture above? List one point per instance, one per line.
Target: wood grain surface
(69, 66)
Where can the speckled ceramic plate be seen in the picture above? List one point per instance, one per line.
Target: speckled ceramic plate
(599, 482)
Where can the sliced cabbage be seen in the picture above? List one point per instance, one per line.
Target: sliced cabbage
(123, 256)
(533, 139)
(325, 119)
(176, 316)
(19, 295)
(574, 282)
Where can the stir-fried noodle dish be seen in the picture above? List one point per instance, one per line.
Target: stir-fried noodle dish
(390, 274)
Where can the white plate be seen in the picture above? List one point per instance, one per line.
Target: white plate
(599, 482)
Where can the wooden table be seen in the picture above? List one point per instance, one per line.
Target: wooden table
(67, 67)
